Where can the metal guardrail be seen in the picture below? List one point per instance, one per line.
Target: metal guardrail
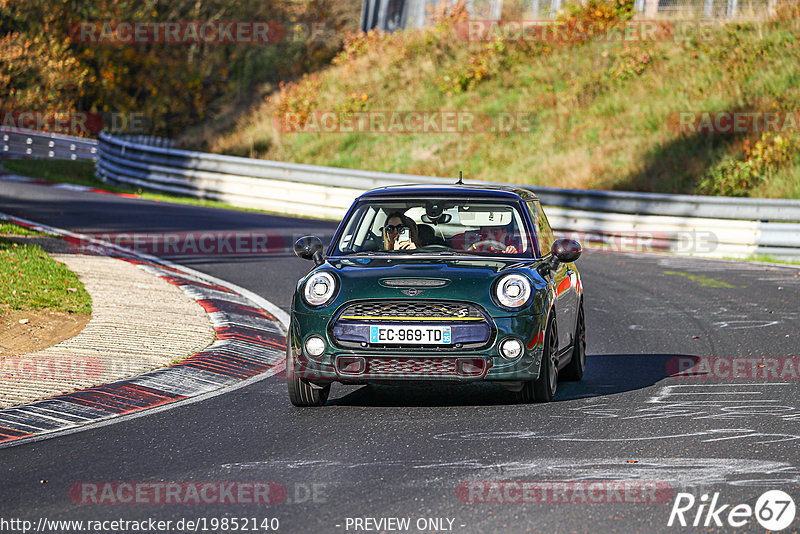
(687, 224)
(33, 144)
(713, 226)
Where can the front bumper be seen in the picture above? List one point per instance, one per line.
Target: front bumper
(361, 365)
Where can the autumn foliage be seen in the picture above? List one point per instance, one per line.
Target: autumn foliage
(44, 67)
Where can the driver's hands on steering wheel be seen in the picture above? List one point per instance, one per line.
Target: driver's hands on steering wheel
(495, 246)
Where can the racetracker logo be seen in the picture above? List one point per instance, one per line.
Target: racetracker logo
(406, 122)
(29, 367)
(75, 122)
(765, 368)
(682, 242)
(568, 492)
(734, 122)
(550, 31)
(178, 32)
(177, 493)
(774, 510)
(189, 243)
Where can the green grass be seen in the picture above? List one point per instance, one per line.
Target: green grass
(7, 228)
(766, 258)
(703, 280)
(602, 112)
(83, 173)
(31, 280)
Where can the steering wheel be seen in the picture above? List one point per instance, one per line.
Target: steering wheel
(492, 243)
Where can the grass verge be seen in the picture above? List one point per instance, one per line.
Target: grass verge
(31, 280)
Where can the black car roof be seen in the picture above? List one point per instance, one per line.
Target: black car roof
(444, 190)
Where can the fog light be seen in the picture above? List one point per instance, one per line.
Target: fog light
(352, 365)
(471, 367)
(315, 346)
(511, 348)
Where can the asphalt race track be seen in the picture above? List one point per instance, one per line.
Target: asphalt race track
(387, 452)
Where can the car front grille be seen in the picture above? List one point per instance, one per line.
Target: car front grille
(412, 310)
(410, 366)
(423, 368)
(471, 326)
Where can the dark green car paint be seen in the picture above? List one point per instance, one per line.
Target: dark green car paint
(556, 294)
(472, 279)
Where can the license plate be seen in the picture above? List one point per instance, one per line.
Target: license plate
(418, 335)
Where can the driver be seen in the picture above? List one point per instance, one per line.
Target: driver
(397, 224)
(497, 239)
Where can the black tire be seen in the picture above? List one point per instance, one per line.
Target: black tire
(303, 393)
(577, 365)
(543, 389)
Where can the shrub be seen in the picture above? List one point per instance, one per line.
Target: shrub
(738, 177)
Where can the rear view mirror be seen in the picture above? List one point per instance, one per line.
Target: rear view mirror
(444, 218)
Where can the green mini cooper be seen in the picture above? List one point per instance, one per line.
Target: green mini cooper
(435, 282)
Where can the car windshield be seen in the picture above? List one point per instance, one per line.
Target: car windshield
(445, 226)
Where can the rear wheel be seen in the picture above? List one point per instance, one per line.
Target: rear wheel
(543, 389)
(577, 365)
(302, 392)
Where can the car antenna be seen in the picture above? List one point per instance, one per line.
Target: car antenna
(459, 182)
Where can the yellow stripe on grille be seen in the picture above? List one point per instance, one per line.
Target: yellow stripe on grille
(392, 318)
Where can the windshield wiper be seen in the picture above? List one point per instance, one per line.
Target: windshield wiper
(431, 252)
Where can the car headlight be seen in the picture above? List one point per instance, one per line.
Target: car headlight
(513, 291)
(319, 289)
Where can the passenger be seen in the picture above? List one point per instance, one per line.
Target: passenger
(396, 224)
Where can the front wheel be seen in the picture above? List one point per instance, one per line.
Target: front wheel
(543, 389)
(302, 392)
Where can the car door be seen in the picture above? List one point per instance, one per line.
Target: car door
(564, 278)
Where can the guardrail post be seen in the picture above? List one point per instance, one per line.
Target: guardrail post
(555, 7)
(650, 9)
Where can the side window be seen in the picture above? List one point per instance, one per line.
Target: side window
(544, 233)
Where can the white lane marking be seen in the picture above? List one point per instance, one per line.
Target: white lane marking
(738, 325)
(665, 392)
(677, 471)
(738, 433)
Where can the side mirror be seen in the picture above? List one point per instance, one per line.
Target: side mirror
(566, 250)
(310, 248)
